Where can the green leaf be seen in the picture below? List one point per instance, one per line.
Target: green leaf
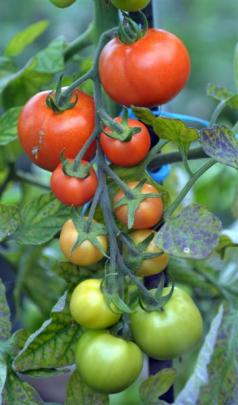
(8, 125)
(9, 220)
(71, 273)
(42, 218)
(18, 87)
(7, 66)
(214, 380)
(145, 115)
(175, 131)
(21, 40)
(18, 392)
(224, 243)
(194, 233)
(155, 386)
(5, 324)
(236, 65)
(3, 374)
(79, 393)
(219, 142)
(218, 92)
(53, 345)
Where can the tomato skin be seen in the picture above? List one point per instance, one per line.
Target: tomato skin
(62, 3)
(152, 266)
(149, 72)
(72, 190)
(168, 334)
(107, 363)
(149, 211)
(45, 134)
(84, 255)
(129, 153)
(88, 306)
(130, 5)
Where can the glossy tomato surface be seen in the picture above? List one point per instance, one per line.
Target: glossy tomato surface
(148, 213)
(108, 363)
(130, 5)
(152, 266)
(169, 333)
(149, 72)
(127, 153)
(72, 190)
(45, 135)
(85, 254)
(88, 306)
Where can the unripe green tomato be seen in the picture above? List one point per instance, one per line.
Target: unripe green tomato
(88, 306)
(167, 334)
(62, 3)
(130, 5)
(107, 363)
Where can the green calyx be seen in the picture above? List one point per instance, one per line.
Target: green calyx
(58, 101)
(133, 201)
(81, 172)
(129, 31)
(125, 133)
(88, 231)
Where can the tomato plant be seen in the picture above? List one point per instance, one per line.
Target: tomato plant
(170, 332)
(73, 190)
(45, 134)
(130, 5)
(148, 72)
(62, 3)
(152, 266)
(149, 211)
(129, 152)
(86, 253)
(89, 308)
(108, 363)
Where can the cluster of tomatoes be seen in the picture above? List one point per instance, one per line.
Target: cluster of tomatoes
(148, 72)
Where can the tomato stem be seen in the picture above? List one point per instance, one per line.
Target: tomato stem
(83, 41)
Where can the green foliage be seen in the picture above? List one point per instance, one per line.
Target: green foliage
(8, 125)
(79, 393)
(155, 386)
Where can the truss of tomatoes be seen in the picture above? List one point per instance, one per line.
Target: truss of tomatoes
(148, 72)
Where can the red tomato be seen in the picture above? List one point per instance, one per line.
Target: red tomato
(127, 153)
(72, 190)
(147, 214)
(45, 134)
(148, 72)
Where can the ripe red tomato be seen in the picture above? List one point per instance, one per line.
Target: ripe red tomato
(148, 72)
(149, 211)
(45, 134)
(127, 153)
(72, 190)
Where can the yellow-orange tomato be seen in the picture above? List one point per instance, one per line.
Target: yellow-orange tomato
(84, 255)
(149, 211)
(152, 266)
(88, 306)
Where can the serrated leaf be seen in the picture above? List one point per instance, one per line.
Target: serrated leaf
(175, 130)
(8, 125)
(194, 233)
(5, 323)
(214, 380)
(9, 220)
(236, 65)
(145, 115)
(42, 218)
(21, 40)
(18, 392)
(219, 142)
(218, 92)
(79, 393)
(155, 386)
(53, 345)
(18, 87)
